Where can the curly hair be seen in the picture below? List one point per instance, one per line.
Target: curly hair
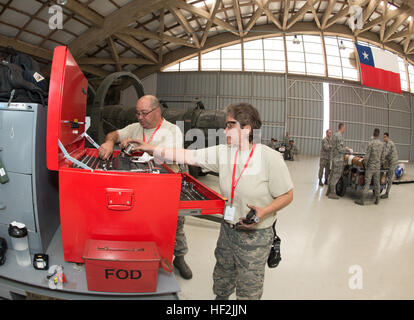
(245, 114)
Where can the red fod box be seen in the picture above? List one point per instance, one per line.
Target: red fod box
(121, 266)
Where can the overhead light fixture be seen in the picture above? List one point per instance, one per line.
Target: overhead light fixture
(295, 39)
(190, 39)
(341, 45)
(62, 2)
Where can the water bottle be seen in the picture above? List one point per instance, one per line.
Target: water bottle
(20, 243)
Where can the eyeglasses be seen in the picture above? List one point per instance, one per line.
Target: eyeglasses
(230, 124)
(144, 114)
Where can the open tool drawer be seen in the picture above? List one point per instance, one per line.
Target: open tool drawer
(115, 202)
(198, 199)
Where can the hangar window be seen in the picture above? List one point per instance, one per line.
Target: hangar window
(231, 58)
(313, 55)
(340, 57)
(274, 55)
(189, 65)
(175, 67)
(305, 56)
(211, 60)
(186, 65)
(253, 55)
(295, 54)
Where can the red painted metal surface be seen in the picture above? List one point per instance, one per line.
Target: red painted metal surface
(107, 205)
(121, 266)
(213, 206)
(85, 214)
(67, 102)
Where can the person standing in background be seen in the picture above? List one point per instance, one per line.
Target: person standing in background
(372, 162)
(338, 151)
(286, 139)
(391, 159)
(326, 155)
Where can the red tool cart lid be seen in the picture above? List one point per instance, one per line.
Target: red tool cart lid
(108, 250)
(68, 90)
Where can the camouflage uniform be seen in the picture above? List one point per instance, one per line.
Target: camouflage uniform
(391, 158)
(286, 140)
(290, 151)
(338, 151)
(272, 145)
(180, 247)
(372, 162)
(241, 260)
(325, 160)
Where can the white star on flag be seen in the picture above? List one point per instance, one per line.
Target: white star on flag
(365, 55)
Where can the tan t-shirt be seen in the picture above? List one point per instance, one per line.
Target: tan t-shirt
(168, 135)
(265, 178)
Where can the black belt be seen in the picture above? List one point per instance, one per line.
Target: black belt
(233, 226)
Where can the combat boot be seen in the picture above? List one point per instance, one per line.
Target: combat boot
(182, 267)
(320, 182)
(327, 191)
(222, 298)
(333, 195)
(385, 195)
(377, 198)
(361, 200)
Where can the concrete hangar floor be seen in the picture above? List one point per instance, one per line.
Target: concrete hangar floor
(331, 249)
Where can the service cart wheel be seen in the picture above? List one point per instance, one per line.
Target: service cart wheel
(340, 187)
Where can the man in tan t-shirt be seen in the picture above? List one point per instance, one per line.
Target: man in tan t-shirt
(153, 129)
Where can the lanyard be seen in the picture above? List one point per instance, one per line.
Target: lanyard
(152, 136)
(233, 181)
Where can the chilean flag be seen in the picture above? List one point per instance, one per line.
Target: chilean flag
(379, 69)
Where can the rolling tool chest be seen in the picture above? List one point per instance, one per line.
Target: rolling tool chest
(123, 199)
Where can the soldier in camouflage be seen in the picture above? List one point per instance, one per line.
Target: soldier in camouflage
(240, 265)
(338, 151)
(263, 185)
(286, 139)
(290, 151)
(373, 159)
(180, 248)
(391, 159)
(325, 160)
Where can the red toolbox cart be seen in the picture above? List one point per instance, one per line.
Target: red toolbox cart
(100, 204)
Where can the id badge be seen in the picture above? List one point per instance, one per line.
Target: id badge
(229, 213)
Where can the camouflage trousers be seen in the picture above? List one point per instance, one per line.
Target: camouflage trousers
(180, 247)
(241, 258)
(390, 176)
(369, 175)
(288, 155)
(336, 173)
(324, 164)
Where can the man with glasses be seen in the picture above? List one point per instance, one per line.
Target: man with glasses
(153, 129)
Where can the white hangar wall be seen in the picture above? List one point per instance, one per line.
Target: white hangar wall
(296, 104)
